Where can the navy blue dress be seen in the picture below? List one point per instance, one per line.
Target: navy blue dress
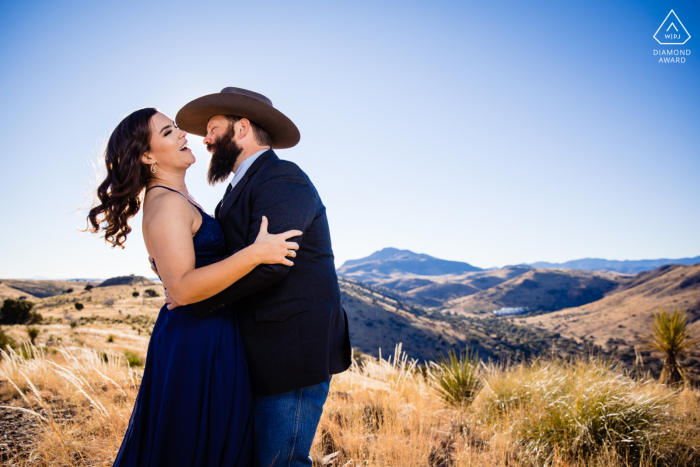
(194, 406)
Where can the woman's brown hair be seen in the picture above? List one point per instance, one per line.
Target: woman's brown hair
(120, 193)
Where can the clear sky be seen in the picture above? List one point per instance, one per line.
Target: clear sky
(495, 133)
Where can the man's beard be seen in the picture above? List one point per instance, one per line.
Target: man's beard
(224, 154)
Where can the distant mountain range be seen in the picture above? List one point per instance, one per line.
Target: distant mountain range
(432, 282)
(392, 261)
(625, 267)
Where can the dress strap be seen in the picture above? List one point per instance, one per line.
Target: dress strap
(175, 191)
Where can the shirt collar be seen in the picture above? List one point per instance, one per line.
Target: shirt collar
(245, 165)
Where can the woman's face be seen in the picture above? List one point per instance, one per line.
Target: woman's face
(168, 145)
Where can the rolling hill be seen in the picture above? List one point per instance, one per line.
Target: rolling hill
(624, 316)
(381, 318)
(539, 290)
(32, 289)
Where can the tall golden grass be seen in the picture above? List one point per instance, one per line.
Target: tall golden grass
(387, 412)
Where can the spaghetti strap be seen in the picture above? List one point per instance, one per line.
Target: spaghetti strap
(175, 191)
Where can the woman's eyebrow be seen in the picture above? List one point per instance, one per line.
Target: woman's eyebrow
(164, 128)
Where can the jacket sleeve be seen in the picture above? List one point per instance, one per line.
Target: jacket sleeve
(288, 200)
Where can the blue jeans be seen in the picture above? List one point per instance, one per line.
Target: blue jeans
(285, 424)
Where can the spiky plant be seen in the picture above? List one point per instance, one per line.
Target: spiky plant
(671, 337)
(456, 377)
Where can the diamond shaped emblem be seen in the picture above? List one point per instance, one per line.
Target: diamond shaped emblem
(672, 31)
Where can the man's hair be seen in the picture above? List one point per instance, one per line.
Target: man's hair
(261, 136)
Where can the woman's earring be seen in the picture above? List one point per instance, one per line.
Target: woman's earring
(153, 168)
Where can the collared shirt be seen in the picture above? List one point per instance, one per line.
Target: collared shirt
(245, 165)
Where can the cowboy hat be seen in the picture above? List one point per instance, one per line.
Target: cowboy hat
(195, 115)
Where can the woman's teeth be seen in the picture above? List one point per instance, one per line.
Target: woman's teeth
(184, 147)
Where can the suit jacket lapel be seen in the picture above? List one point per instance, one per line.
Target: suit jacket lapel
(231, 198)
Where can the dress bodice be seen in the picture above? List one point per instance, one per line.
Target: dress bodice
(209, 243)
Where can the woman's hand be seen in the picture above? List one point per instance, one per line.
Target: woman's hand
(274, 248)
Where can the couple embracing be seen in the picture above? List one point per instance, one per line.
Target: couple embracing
(241, 356)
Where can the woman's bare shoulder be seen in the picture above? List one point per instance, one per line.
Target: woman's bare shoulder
(161, 203)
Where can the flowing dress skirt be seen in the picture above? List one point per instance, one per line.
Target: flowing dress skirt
(194, 406)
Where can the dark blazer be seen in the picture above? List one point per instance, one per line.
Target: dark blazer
(294, 328)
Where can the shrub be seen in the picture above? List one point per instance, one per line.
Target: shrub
(576, 412)
(108, 302)
(6, 340)
(68, 291)
(133, 358)
(79, 306)
(110, 338)
(151, 293)
(456, 377)
(89, 287)
(18, 312)
(73, 324)
(134, 293)
(33, 333)
(670, 336)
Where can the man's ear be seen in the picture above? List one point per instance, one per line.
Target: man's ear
(243, 127)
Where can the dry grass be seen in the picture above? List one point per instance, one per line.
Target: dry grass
(383, 412)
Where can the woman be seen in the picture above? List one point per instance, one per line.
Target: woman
(194, 406)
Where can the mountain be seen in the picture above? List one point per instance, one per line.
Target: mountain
(540, 290)
(625, 267)
(393, 262)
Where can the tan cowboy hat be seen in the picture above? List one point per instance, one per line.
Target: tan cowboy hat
(195, 115)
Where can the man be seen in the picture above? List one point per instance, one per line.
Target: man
(293, 326)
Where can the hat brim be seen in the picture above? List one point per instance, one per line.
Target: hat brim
(195, 115)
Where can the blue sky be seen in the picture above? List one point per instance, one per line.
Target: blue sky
(495, 133)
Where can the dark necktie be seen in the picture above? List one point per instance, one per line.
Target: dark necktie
(228, 190)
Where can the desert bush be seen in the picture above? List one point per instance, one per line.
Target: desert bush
(5, 341)
(33, 333)
(108, 302)
(456, 377)
(150, 293)
(68, 291)
(671, 337)
(18, 312)
(79, 306)
(73, 324)
(89, 287)
(135, 293)
(582, 411)
(110, 338)
(133, 358)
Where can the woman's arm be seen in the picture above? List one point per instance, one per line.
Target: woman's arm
(168, 232)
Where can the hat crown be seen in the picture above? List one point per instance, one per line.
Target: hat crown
(245, 92)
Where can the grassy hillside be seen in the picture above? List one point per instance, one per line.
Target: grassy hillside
(70, 406)
(625, 315)
(377, 316)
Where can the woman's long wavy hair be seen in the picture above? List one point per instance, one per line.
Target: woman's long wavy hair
(120, 193)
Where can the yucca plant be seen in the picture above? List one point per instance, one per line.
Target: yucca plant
(456, 377)
(671, 337)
